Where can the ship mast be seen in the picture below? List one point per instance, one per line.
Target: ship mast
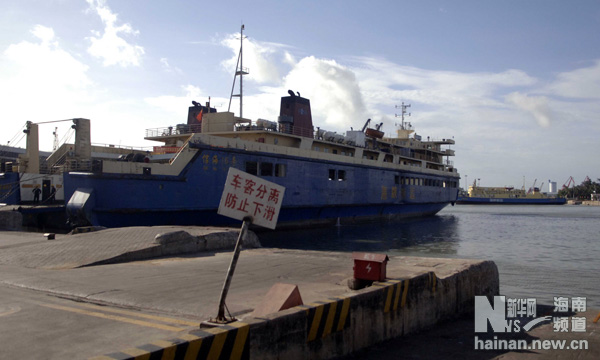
(405, 128)
(403, 112)
(239, 71)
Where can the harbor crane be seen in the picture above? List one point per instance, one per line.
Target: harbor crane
(377, 127)
(366, 125)
(570, 182)
(532, 187)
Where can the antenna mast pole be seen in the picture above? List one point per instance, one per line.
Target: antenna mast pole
(239, 71)
(403, 112)
(55, 133)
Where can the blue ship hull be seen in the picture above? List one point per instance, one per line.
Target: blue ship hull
(10, 188)
(510, 201)
(311, 197)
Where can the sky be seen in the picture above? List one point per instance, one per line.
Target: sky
(515, 83)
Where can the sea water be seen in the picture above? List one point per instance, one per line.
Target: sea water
(542, 252)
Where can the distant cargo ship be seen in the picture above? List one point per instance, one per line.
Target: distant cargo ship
(507, 195)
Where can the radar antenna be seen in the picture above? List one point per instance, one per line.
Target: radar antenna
(403, 112)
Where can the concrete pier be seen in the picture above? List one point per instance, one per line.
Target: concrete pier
(10, 220)
(159, 283)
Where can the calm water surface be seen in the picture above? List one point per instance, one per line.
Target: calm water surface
(540, 251)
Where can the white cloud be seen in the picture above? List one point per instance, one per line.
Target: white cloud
(581, 83)
(257, 57)
(168, 67)
(175, 104)
(43, 33)
(381, 78)
(41, 81)
(537, 106)
(110, 46)
(333, 90)
(44, 65)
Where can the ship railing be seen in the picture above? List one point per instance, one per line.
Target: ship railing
(174, 130)
(279, 127)
(126, 147)
(78, 165)
(296, 130)
(442, 141)
(433, 159)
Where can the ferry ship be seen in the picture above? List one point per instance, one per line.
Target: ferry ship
(507, 195)
(329, 178)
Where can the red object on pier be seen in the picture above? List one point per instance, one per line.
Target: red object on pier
(370, 266)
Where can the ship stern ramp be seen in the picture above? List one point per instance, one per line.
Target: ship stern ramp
(79, 207)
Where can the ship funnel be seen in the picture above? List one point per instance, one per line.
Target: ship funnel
(295, 116)
(195, 113)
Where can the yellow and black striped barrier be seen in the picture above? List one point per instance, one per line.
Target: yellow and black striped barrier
(224, 342)
(325, 318)
(396, 291)
(432, 281)
(396, 294)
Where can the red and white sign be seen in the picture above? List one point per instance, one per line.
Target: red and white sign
(248, 195)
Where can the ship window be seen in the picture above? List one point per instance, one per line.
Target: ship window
(252, 167)
(266, 169)
(316, 148)
(334, 151)
(341, 175)
(280, 170)
(396, 179)
(331, 174)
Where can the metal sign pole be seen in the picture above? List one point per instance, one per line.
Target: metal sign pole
(236, 255)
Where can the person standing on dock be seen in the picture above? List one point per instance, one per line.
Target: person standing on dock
(36, 193)
(52, 197)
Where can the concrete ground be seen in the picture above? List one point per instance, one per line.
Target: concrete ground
(54, 306)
